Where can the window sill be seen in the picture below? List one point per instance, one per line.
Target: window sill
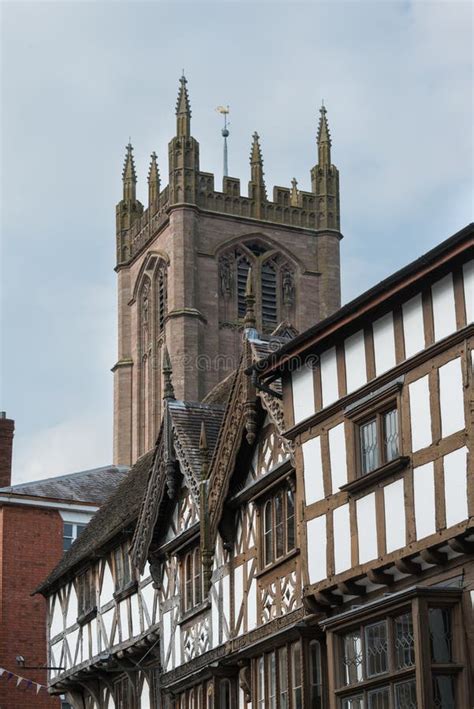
(87, 616)
(197, 610)
(383, 471)
(271, 567)
(126, 591)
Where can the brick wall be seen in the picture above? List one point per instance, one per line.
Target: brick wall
(30, 546)
(7, 426)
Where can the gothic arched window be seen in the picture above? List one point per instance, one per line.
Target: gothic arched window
(273, 281)
(152, 310)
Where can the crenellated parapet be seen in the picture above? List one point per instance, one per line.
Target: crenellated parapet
(188, 185)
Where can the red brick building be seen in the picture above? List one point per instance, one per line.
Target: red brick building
(38, 522)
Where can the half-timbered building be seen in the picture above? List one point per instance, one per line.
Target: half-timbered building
(303, 537)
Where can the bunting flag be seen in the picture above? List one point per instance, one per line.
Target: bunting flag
(20, 681)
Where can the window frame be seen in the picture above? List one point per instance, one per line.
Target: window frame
(77, 529)
(123, 572)
(268, 502)
(377, 415)
(86, 594)
(417, 601)
(192, 597)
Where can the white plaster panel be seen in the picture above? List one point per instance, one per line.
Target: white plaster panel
(145, 696)
(215, 623)
(317, 545)
(135, 614)
(451, 396)
(94, 631)
(238, 590)
(413, 327)
(356, 371)
(444, 314)
(252, 606)
(384, 343)
(420, 413)
(178, 659)
(367, 528)
(424, 490)
(166, 625)
(57, 621)
(107, 620)
(337, 454)
(71, 612)
(72, 639)
(108, 587)
(329, 386)
(123, 611)
(395, 525)
(303, 393)
(468, 277)
(342, 539)
(313, 470)
(455, 486)
(148, 597)
(226, 598)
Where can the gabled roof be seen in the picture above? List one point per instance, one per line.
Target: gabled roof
(90, 486)
(117, 515)
(186, 418)
(461, 242)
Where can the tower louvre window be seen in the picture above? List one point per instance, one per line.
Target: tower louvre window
(243, 266)
(269, 294)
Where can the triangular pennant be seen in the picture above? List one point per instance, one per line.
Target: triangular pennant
(19, 681)
(38, 687)
(29, 684)
(1, 671)
(9, 675)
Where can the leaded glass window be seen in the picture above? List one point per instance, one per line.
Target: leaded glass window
(356, 702)
(352, 658)
(443, 692)
(296, 681)
(378, 440)
(440, 634)
(376, 648)
(283, 677)
(261, 683)
(405, 695)
(404, 641)
(278, 526)
(379, 698)
(316, 679)
(368, 446)
(271, 674)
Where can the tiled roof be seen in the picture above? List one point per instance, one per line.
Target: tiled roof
(93, 486)
(116, 515)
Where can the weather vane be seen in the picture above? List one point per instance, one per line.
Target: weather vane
(225, 134)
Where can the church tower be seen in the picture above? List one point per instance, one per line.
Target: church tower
(182, 270)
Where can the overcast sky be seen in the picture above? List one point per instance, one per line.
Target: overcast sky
(79, 78)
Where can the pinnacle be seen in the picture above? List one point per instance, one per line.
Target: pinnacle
(324, 135)
(256, 153)
(153, 172)
(182, 104)
(128, 172)
(168, 390)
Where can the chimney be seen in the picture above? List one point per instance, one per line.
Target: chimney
(7, 426)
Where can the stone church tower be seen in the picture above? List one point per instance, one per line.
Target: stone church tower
(182, 266)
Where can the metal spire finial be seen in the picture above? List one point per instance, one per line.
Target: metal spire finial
(224, 110)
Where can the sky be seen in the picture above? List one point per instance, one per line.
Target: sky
(79, 78)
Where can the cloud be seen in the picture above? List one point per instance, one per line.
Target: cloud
(69, 446)
(79, 78)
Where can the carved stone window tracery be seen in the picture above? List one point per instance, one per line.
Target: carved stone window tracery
(273, 280)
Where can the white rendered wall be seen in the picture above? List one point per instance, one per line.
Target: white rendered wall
(317, 544)
(329, 386)
(384, 343)
(413, 328)
(337, 454)
(145, 696)
(394, 503)
(420, 413)
(303, 393)
(72, 610)
(313, 470)
(57, 621)
(423, 487)
(342, 539)
(367, 528)
(468, 278)
(356, 372)
(108, 586)
(455, 486)
(451, 397)
(444, 313)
